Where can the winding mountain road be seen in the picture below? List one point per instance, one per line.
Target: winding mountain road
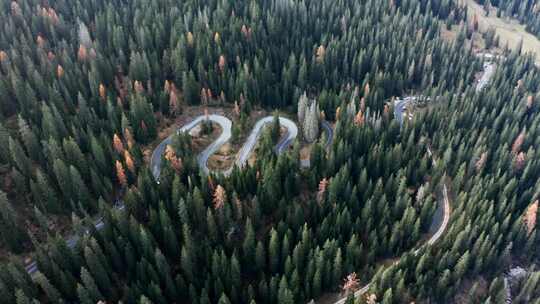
(292, 133)
(241, 160)
(399, 108)
(224, 137)
(432, 240)
(248, 147)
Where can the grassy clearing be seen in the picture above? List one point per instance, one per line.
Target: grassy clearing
(223, 159)
(510, 31)
(201, 141)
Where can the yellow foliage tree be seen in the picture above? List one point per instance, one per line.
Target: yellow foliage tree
(59, 71)
(320, 54)
(481, 162)
(190, 39)
(129, 138)
(102, 92)
(338, 113)
(129, 161)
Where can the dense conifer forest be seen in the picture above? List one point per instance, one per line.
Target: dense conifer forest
(431, 204)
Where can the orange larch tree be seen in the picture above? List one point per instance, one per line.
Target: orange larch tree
(190, 39)
(59, 71)
(236, 109)
(516, 146)
(320, 54)
(117, 144)
(366, 89)
(359, 119)
(170, 155)
(129, 138)
(167, 87)
(519, 161)
(222, 63)
(82, 54)
(351, 283)
(481, 162)
(219, 197)
(323, 184)
(129, 161)
(530, 101)
(121, 174)
(3, 56)
(530, 216)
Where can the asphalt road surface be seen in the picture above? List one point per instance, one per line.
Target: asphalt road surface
(251, 141)
(489, 70)
(329, 133)
(224, 137)
(32, 268)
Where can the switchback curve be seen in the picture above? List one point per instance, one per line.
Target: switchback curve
(224, 137)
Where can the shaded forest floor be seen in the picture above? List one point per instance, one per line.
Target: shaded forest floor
(59, 224)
